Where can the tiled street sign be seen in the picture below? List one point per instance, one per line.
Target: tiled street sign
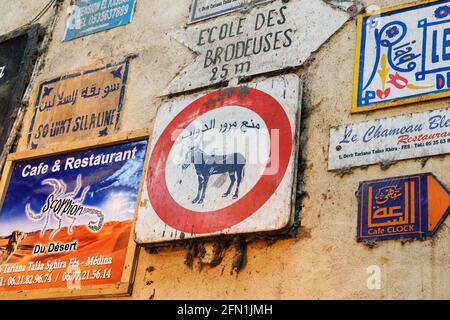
(403, 55)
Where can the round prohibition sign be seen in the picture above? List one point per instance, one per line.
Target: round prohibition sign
(185, 220)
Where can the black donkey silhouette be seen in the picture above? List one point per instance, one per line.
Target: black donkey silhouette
(207, 165)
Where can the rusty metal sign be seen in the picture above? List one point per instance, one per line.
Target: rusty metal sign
(402, 55)
(222, 163)
(79, 105)
(17, 56)
(403, 207)
(391, 139)
(272, 37)
(205, 9)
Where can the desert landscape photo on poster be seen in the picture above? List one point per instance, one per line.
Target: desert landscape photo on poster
(68, 218)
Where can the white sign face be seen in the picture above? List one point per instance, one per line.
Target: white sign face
(390, 139)
(222, 163)
(272, 37)
(205, 9)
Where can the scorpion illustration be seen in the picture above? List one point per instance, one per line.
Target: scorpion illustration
(60, 205)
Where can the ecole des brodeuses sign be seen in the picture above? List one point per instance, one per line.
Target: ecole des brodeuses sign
(271, 37)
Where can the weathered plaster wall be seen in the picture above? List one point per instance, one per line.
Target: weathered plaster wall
(159, 57)
(17, 13)
(324, 261)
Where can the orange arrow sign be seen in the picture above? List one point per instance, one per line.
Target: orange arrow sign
(438, 203)
(401, 207)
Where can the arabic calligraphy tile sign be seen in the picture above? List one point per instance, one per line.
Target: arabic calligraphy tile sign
(222, 163)
(79, 105)
(67, 217)
(390, 139)
(403, 207)
(91, 16)
(402, 56)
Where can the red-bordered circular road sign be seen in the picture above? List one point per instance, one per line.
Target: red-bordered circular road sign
(185, 220)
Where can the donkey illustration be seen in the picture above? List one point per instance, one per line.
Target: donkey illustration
(207, 165)
(60, 204)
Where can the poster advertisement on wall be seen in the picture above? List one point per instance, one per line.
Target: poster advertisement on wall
(66, 221)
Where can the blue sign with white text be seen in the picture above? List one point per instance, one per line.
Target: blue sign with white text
(402, 207)
(91, 16)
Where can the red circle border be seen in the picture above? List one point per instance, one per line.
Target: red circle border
(185, 220)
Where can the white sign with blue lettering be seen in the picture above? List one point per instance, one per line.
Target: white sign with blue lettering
(91, 16)
(391, 139)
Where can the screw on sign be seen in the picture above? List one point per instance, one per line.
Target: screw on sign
(403, 207)
(222, 163)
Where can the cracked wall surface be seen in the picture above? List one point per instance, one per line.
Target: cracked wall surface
(324, 260)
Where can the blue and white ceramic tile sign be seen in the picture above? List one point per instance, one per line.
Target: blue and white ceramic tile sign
(403, 55)
(91, 16)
